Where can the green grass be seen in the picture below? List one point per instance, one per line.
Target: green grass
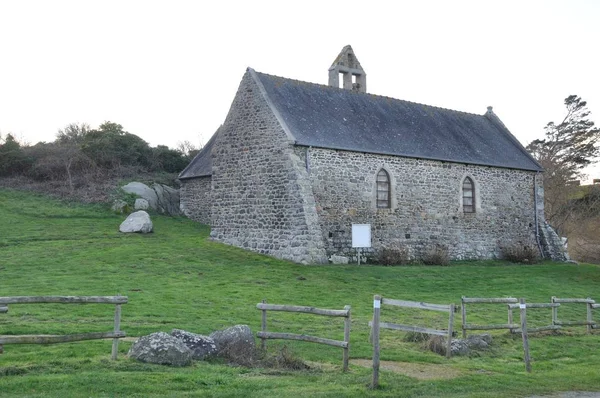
(177, 278)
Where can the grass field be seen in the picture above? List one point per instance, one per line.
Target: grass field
(177, 278)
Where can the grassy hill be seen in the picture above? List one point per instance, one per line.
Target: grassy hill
(177, 278)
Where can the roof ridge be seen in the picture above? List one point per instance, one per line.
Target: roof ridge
(371, 94)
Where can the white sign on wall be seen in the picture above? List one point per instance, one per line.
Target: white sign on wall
(361, 235)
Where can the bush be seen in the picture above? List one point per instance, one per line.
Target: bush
(285, 359)
(394, 256)
(436, 255)
(520, 253)
(415, 337)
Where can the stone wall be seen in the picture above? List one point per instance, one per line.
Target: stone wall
(261, 194)
(195, 199)
(426, 204)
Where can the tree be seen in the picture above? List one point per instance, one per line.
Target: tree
(568, 148)
(73, 133)
(110, 147)
(12, 158)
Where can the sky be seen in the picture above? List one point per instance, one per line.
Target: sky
(167, 71)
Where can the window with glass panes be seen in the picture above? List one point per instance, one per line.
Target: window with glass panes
(468, 190)
(383, 190)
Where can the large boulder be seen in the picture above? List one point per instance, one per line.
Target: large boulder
(162, 198)
(137, 222)
(236, 344)
(161, 348)
(168, 199)
(202, 347)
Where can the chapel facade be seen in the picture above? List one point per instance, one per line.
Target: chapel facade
(295, 165)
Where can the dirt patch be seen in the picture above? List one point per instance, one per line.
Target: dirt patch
(420, 371)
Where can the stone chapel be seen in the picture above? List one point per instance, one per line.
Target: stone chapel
(295, 165)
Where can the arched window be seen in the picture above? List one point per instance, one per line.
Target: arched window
(468, 194)
(383, 190)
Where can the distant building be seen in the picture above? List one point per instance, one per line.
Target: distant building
(296, 164)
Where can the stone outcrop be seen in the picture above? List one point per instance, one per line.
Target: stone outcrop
(119, 206)
(161, 348)
(161, 198)
(137, 222)
(141, 204)
(553, 247)
(202, 347)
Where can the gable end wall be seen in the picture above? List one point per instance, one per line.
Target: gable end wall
(261, 195)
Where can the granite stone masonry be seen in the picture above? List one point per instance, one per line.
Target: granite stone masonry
(196, 199)
(261, 195)
(426, 204)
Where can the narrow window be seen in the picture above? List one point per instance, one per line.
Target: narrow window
(468, 192)
(383, 190)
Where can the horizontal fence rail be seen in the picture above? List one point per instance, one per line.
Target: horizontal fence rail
(345, 313)
(474, 300)
(116, 334)
(590, 305)
(512, 307)
(376, 325)
(63, 300)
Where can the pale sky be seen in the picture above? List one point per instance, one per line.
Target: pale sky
(168, 70)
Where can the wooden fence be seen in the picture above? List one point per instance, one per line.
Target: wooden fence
(465, 326)
(512, 307)
(116, 334)
(376, 324)
(345, 313)
(590, 305)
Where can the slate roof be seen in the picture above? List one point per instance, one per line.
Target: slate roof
(201, 165)
(329, 117)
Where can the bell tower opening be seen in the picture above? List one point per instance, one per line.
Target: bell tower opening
(346, 72)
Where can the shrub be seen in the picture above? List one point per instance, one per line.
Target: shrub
(415, 337)
(520, 253)
(285, 359)
(436, 344)
(436, 255)
(393, 256)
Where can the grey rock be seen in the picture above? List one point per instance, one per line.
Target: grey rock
(161, 348)
(475, 342)
(143, 191)
(202, 347)
(119, 206)
(161, 198)
(137, 222)
(335, 259)
(236, 343)
(167, 199)
(141, 204)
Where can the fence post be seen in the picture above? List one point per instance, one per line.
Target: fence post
(263, 328)
(589, 316)
(510, 318)
(450, 331)
(464, 317)
(523, 309)
(115, 344)
(554, 312)
(375, 328)
(347, 338)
